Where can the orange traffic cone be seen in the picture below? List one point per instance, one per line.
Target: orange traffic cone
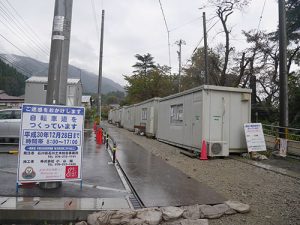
(99, 135)
(203, 155)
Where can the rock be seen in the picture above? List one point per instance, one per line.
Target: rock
(238, 206)
(194, 222)
(81, 223)
(191, 212)
(150, 216)
(136, 221)
(100, 218)
(171, 213)
(121, 217)
(210, 212)
(224, 209)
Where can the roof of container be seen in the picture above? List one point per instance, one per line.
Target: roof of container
(38, 79)
(148, 100)
(207, 87)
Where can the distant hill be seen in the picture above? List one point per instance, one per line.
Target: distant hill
(89, 80)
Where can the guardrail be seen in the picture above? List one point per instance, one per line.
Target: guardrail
(110, 142)
(273, 133)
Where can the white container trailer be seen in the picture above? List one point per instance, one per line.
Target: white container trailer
(36, 91)
(146, 116)
(110, 116)
(128, 116)
(212, 113)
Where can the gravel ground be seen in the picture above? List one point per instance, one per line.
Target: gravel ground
(274, 198)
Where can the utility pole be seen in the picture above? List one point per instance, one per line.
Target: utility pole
(205, 51)
(59, 61)
(179, 43)
(100, 68)
(283, 96)
(59, 55)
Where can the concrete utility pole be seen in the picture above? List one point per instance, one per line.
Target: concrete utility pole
(205, 51)
(59, 61)
(59, 55)
(179, 43)
(100, 68)
(283, 104)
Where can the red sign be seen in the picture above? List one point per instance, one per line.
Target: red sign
(71, 172)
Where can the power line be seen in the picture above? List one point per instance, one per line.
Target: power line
(184, 24)
(14, 22)
(260, 18)
(198, 44)
(95, 18)
(30, 28)
(14, 45)
(168, 32)
(15, 66)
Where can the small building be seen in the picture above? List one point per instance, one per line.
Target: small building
(86, 101)
(36, 91)
(127, 117)
(146, 114)
(212, 113)
(8, 101)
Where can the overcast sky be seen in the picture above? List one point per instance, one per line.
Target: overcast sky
(131, 27)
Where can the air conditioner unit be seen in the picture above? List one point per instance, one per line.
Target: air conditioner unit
(218, 148)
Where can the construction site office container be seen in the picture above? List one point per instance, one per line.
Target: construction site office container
(128, 115)
(210, 113)
(36, 91)
(146, 114)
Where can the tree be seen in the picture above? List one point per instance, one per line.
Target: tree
(148, 81)
(223, 10)
(145, 62)
(194, 72)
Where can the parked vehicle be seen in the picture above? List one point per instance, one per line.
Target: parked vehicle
(10, 123)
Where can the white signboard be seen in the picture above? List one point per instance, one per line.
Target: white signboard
(255, 137)
(51, 140)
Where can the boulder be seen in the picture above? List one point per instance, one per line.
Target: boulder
(100, 218)
(121, 216)
(81, 223)
(171, 213)
(194, 222)
(238, 206)
(224, 209)
(150, 216)
(191, 212)
(210, 212)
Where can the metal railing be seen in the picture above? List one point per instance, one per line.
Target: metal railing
(110, 142)
(291, 134)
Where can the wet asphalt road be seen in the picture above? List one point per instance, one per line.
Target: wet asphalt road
(100, 178)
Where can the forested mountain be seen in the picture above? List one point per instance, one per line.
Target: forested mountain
(11, 81)
(89, 80)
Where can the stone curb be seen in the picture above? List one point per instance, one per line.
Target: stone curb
(184, 215)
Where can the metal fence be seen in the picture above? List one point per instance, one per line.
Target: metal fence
(273, 133)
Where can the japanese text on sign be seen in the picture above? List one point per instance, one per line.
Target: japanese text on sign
(50, 143)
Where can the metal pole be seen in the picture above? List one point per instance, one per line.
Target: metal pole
(59, 61)
(100, 68)
(205, 51)
(179, 66)
(59, 55)
(179, 43)
(283, 104)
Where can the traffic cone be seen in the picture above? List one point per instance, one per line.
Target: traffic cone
(203, 155)
(99, 135)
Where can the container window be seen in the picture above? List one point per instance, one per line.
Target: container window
(45, 87)
(176, 116)
(144, 113)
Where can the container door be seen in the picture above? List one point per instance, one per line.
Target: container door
(151, 120)
(196, 124)
(187, 122)
(219, 116)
